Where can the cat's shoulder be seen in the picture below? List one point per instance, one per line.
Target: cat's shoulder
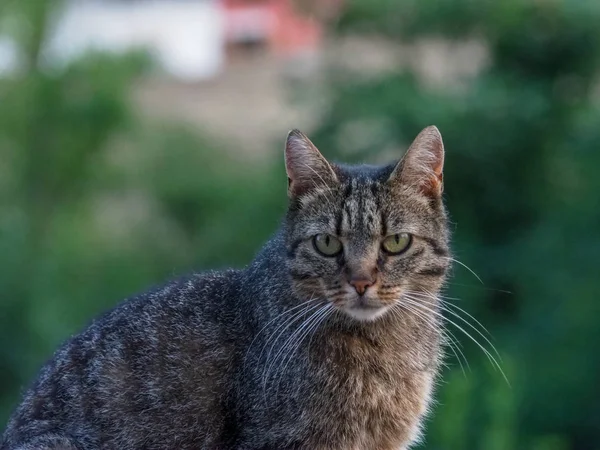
(195, 296)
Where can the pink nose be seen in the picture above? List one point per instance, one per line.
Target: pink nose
(361, 284)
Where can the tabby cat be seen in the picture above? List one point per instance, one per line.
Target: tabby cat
(328, 340)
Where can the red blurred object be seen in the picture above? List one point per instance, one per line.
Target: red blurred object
(276, 23)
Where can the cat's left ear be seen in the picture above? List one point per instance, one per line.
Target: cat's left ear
(306, 168)
(423, 164)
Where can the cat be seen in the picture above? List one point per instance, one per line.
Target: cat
(328, 340)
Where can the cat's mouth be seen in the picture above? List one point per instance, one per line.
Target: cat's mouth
(365, 309)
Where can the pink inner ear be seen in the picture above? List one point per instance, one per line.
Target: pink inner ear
(437, 181)
(434, 185)
(439, 167)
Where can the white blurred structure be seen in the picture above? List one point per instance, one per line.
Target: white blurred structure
(9, 55)
(185, 36)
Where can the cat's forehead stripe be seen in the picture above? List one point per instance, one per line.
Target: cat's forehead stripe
(360, 212)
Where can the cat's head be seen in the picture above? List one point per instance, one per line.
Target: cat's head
(363, 237)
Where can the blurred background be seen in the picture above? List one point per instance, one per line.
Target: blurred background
(141, 139)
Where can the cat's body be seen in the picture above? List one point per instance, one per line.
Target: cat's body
(266, 357)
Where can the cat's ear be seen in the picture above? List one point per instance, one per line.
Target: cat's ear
(306, 168)
(423, 163)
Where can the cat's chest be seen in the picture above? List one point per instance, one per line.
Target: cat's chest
(367, 399)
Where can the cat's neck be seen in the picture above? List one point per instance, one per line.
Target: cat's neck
(267, 277)
(269, 265)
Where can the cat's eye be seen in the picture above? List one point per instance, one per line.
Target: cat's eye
(327, 244)
(396, 243)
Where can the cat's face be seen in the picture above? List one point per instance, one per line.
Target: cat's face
(364, 238)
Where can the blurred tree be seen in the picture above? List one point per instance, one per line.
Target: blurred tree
(51, 127)
(521, 138)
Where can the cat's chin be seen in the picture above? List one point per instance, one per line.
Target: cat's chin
(366, 313)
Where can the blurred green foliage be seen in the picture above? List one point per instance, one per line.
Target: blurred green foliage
(97, 203)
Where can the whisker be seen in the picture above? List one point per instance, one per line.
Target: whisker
(289, 343)
(277, 317)
(315, 321)
(493, 361)
(274, 337)
(474, 286)
(429, 321)
(445, 304)
(455, 314)
(269, 366)
(465, 266)
(447, 335)
(329, 310)
(455, 346)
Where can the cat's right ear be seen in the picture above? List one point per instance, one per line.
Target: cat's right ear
(306, 168)
(423, 163)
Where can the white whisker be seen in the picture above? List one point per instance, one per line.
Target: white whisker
(274, 337)
(445, 304)
(503, 291)
(315, 321)
(447, 335)
(469, 324)
(269, 365)
(465, 266)
(415, 301)
(277, 317)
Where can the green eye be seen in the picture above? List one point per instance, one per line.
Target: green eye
(397, 243)
(327, 245)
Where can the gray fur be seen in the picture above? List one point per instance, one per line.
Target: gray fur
(216, 360)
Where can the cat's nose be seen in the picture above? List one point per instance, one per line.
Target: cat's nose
(361, 284)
